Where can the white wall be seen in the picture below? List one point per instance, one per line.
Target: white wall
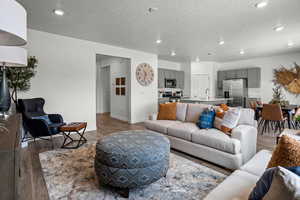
(208, 68)
(267, 65)
(66, 77)
(165, 64)
(103, 88)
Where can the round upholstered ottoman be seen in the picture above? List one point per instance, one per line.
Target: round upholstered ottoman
(132, 158)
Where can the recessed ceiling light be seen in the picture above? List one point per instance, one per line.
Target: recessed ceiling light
(197, 59)
(58, 12)
(221, 42)
(261, 4)
(290, 43)
(278, 28)
(152, 9)
(158, 41)
(173, 53)
(242, 52)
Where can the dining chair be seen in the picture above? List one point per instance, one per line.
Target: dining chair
(253, 105)
(272, 118)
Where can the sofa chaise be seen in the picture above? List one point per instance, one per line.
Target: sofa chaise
(240, 183)
(209, 144)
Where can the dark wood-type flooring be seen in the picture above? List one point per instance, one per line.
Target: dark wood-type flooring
(32, 184)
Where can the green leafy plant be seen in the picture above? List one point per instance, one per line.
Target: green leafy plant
(297, 118)
(278, 97)
(19, 77)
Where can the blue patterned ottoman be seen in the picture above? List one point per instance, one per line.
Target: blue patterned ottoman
(132, 158)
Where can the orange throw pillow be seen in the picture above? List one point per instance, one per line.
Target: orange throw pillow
(286, 153)
(224, 107)
(167, 111)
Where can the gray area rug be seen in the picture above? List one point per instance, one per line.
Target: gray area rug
(69, 175)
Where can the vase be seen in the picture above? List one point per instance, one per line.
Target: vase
(4, 93)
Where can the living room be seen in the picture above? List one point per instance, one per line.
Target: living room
(173, 124)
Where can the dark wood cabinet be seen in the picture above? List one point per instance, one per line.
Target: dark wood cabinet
(10, 147)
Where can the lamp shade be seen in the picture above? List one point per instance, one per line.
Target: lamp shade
(13, 23)
(13, 56)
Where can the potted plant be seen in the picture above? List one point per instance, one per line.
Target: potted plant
(19, 77)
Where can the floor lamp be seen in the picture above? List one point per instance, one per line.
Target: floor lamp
(9, 57)
(13, 32)
(13, 23)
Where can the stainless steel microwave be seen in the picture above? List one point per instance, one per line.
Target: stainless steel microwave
(170, 83)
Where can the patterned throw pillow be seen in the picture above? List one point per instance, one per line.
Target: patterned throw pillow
(286, 153)
(206, 119)
(285, 185)
(167, 111)
(264, 183)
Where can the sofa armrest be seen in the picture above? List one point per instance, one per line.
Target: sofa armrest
(153, 116)
(247, 135)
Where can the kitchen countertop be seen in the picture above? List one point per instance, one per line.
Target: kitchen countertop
(212, 99)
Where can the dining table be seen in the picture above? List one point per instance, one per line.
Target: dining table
(289, 110)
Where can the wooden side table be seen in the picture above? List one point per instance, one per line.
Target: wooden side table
(74, 127)
(289, 132)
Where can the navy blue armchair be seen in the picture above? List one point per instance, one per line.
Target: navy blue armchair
(36, 121)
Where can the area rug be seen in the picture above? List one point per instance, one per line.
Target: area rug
(69, 175)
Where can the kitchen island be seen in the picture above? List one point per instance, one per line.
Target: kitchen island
(210, 101)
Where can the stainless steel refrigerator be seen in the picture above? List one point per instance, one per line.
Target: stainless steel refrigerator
(236, 89)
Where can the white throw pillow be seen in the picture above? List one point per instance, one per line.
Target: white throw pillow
(181, 109)
(285, 185)
(231, 118)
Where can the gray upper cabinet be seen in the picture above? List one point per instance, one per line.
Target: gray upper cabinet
(221, 77)
(161, 78)
(180, 79)
(170, 74)
(242, 73)
(254, 77)
(231, 74)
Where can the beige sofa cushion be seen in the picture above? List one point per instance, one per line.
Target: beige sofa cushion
(258, 164)
(237, 186)
(246, 117)
(181, 111)
(161, 125)
(216, 139)
(183, 131)
(194, 111)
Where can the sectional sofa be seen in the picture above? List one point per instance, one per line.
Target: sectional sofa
(240, 183)
(209, 144)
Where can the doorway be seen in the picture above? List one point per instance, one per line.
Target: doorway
(113, 87)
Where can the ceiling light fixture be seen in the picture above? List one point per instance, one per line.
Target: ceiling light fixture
(278, 28)
(152, 9)
(158, 41)
(221, 42)
(58, 12)
(173, 53)
(261, 4)
(242, 52)
(290, 43)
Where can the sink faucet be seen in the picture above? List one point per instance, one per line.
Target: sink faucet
(207, 93)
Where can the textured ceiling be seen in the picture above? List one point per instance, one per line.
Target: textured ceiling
(190, 27)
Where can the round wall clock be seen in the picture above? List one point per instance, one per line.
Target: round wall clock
(144, 74)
